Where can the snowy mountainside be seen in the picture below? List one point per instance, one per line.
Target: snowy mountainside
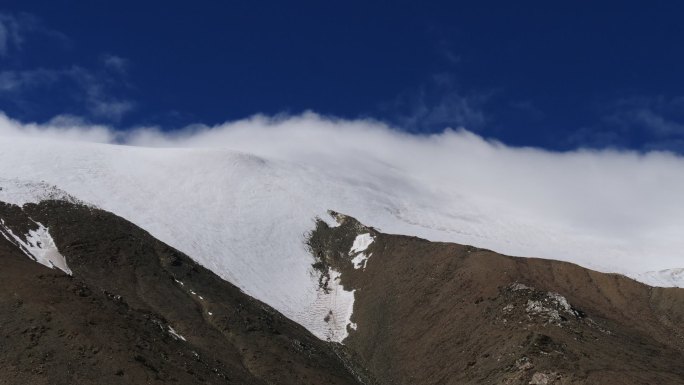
(246, 217)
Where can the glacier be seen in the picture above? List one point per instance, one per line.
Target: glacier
(244, 211)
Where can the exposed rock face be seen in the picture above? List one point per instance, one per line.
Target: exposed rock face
(136, 311)
(437, 313)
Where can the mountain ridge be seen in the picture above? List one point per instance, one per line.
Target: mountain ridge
(138, 311)
(442, 313)
(423, 313)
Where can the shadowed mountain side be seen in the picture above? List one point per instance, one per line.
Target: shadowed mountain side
(138, 311)
(438, 313)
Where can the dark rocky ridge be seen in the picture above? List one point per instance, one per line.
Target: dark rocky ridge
(111, 322)
(438, 313)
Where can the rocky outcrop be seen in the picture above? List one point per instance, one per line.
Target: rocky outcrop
(438, 313)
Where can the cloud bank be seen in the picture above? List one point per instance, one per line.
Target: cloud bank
(628, 201)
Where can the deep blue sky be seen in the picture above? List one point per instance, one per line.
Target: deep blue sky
(557, 75)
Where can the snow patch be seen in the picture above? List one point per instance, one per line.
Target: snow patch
(665, 278)
(361, 244)
(360, 260)
(330, 219)
(175, 334)
(334, 305)
(39, 246)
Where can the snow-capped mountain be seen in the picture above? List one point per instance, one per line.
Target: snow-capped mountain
(246, 216)
(94, 294)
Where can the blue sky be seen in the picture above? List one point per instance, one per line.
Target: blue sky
(543, 74)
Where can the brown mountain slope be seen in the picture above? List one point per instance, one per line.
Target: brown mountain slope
(437, 313)
(112, 322)
(137, 311)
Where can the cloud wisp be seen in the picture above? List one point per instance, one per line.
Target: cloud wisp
(92, 88)
(438, 103)
(8, 34)
(15, 28)
(643, 122)
(96, 91)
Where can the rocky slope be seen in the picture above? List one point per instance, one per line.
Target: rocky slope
(109, 304)
(136, 311)
(438, 313)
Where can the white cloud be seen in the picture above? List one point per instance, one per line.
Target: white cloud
(610, 202)
(63, 127)
(617, 192)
